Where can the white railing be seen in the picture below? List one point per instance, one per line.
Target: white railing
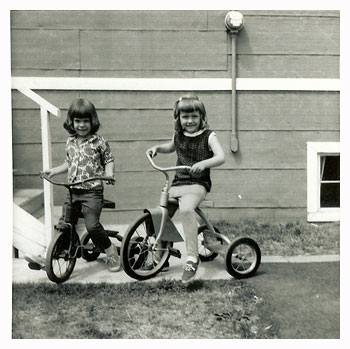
(46, 109)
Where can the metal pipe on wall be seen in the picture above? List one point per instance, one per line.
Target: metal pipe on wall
(234, 24)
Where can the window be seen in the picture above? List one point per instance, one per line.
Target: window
(323, 181)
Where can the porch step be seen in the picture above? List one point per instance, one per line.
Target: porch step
(31, 200)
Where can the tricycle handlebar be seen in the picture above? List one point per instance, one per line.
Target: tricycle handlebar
(68, 185)
(165, 169)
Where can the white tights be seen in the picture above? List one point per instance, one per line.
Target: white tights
(189, 196)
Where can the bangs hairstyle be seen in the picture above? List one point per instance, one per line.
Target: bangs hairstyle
(80, 109)
(189, 104)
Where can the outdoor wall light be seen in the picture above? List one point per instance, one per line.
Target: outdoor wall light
(234, 21)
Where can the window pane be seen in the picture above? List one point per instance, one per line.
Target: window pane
(330, 168)
(330, 195)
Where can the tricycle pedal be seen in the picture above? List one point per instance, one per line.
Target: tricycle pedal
(114, 234)
(174, 252)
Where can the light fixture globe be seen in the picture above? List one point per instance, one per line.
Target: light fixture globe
(234, 21)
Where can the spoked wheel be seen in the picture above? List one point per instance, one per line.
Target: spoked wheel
(141, 258)
(243, 258)
(89, 252)
(207, 243)
(61, 257)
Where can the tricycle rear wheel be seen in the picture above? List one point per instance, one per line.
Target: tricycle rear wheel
(243, 258)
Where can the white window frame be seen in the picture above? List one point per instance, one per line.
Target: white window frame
(314, 152)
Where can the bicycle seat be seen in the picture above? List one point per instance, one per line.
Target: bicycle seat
(173, 202)
(108, 204)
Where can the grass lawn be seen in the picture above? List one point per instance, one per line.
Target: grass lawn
(207, 309)
(288, 239)
(166, 309)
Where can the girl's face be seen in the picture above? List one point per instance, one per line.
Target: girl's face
(190, 121)
(82, 126)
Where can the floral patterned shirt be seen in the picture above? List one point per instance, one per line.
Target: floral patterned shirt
(87, 159)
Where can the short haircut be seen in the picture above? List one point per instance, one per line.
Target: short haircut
(189, 104)
(80, 109)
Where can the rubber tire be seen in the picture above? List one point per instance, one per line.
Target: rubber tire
(228, 259)
(88, 255)
(57, 242)
(128, 244)
(212, 255)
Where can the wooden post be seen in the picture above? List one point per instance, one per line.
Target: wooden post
(47, 163)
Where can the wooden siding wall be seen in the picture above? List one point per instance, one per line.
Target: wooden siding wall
(266, 178)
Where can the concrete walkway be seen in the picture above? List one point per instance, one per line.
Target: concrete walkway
(96, 272)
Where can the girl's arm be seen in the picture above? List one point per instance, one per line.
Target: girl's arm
(56, 170)
(217, 159)
(109, 172)
(164, 148)
(109, 169)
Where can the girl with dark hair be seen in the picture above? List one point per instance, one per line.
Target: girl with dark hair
(87, 155)
(198, 147)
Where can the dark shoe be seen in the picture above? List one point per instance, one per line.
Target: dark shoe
(189, 272)
(166, 267)
(63, 226)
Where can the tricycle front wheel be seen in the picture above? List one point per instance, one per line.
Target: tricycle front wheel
(142, 258)
(243, 258)
(61, 257)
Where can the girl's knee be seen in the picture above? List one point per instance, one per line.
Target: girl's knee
(93, 227)
(187, 210)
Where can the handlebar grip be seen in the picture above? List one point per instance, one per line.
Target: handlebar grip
(165, 169)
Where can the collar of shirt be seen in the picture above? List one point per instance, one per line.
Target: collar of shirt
(195, 134)
(90, 138)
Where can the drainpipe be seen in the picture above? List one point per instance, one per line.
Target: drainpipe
(234, 24)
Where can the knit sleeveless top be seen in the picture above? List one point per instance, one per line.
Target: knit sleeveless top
(190, 150)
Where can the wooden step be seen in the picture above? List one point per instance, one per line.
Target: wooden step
(30, 200)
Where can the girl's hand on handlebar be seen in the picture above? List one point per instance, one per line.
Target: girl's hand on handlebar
(49, 173)
(197, 168)
(152, 151)
(110, 181)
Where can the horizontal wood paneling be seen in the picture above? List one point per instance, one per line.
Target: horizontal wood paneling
(289, 110)
(296, 44)
(136, 20)
(287, 66)
(58, 49)
(249, 188)
(153, 50)
(256, 111)
(284, 34)
(278, 36)
(111, 20)
(248, 66)
(257, 149)
(268, 172)
(61, 99)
